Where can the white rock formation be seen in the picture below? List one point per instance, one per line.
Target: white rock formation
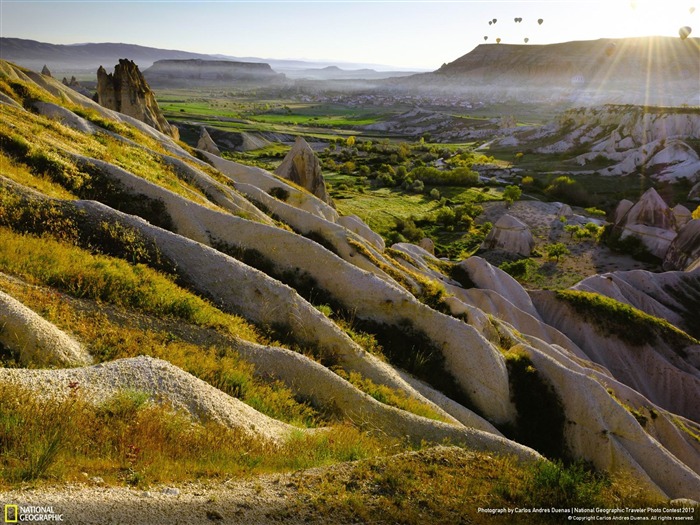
(427, 244)
(511, 235)
(651, 221)
(603, 431)
(206, 143)
(487, 276)
(302, 167)
(684, 251)
(655, 368)
(354, 224)
(682, 215)
(38, 342)
(161, 381)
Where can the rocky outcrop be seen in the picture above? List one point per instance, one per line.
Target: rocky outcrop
(657, 366)
(206, 143)
(622, 208)
(76, 86)
(354, 224)
(673, 295)
(302, 167)
(36, 341)
(651, 221)
(633, 139)
(427, 244)
(162, 382)
(210, 73)
(682, 215)
(45, 71)
(126, 91)
(684, 251)
(510, 235)
(694, 193)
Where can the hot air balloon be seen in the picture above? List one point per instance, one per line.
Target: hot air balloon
(486, 38)
(498, 40)
(515, 20)
(490, 23)
(527, 40)
(540, 20)
(684, 32)
(495, 20)
(610, 48)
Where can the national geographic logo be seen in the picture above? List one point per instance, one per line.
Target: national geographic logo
(30, 514)
(11, 513)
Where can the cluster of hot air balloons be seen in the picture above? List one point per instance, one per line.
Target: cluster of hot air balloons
(517, 20)
(685, 31)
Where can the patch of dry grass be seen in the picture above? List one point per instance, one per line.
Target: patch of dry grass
(449, 485)
(124, 334)
(128, 439)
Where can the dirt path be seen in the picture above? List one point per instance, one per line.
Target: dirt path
(265, 499)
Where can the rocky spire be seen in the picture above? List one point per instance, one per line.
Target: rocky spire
(206, 143)
(302, 167)
(45, 71)
(126, 91)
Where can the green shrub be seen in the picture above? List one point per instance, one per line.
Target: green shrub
(597, 212)
(455, 177)
(511, 194)
(566, 189)
(540, 420)
(556, 250)
(520, 269)
(279, 193)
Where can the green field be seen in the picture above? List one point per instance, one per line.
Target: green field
(231, 112)
(381, 208)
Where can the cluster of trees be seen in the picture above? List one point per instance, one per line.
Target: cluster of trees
(410, 166)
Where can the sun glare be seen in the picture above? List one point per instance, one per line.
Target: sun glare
(652, 17)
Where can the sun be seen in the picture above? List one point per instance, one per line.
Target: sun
(652, 17)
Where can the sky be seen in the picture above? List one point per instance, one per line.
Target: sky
(408, 34)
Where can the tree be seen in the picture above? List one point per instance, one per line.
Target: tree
(696, 213)
(511, 194)
(348, 167)
(571, 229)
(555, 251)
(350, 141)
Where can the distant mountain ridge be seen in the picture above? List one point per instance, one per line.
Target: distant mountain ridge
(198, 71)
(89, 56)
(650, 70)
(29, 53)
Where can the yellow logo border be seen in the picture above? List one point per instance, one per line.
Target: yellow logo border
(7, 519)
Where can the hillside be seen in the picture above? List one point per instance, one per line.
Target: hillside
(85, 58)
(174, 316)
(653, 70)
(182, 73)
(34, 54)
